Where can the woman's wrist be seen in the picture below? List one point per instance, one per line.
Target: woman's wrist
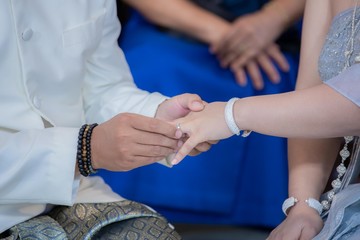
(293, 202)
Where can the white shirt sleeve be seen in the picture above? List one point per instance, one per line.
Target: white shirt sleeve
(109, 88)
(38, 166)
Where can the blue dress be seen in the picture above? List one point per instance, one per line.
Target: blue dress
(239, 181)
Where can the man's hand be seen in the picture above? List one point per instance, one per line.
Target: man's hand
(128, 141)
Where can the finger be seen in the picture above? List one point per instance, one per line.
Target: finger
(226, 60)
(203, 147)
(233, 52)
(200, 148)
(240, 75)
(185, 150)
(137, 161)
(279, 58)
(194, 152)
(216, 47)
(232, 42)
(192, 102)
(152, 151)
(212, 142)
(237, 44)
(269, 68)
(242, 60)
(153, 125)
(255, 75)
(150, 138)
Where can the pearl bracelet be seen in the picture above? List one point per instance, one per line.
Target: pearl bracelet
(311, 202)
(230, 121)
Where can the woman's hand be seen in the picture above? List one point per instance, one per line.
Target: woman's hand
(207, 125)
(302, 223)
(180, 106)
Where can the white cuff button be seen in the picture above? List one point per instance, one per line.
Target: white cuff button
(27, 34)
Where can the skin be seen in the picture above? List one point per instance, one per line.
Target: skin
(313, 145)
(128, 141)
(311, 158)
(247, 45)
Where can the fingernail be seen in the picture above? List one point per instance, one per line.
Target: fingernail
(197, 104)
(174, 161)
(180, 143)
(276, 79)
(178, 134)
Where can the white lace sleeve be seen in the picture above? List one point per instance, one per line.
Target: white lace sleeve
(348, 83)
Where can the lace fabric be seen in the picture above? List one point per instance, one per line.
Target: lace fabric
(351, 175)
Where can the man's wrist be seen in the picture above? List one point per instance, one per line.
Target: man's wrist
(83, 155)
(158, 113)
(94, 152)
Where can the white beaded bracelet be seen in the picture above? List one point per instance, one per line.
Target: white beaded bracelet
(315, 204)
(288, 203)
(230, 121)
(311, 202)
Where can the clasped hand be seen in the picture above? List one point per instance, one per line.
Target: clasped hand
(249, 46)
(203, 126)
(128, 140)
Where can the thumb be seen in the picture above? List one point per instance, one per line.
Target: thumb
(191, 102)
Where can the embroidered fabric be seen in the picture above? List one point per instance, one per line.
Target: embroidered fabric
(117, 220)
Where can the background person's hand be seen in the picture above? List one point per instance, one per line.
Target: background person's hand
(249, 46)
(128, 141)
(248, 35)
(267, 60)
(302, 223)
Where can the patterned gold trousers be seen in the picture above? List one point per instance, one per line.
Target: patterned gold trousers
(119, 220)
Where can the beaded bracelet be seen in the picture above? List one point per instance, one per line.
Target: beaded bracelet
(83, 155)
(311, 202)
